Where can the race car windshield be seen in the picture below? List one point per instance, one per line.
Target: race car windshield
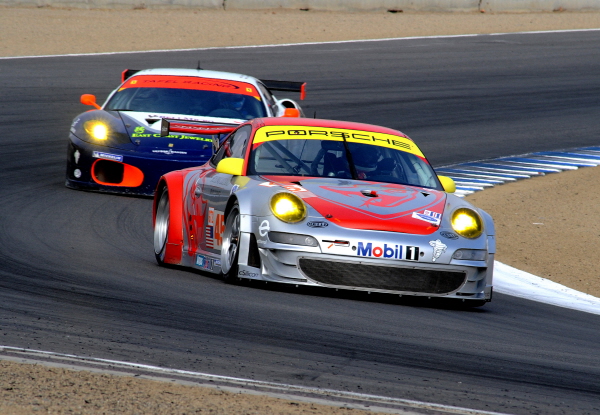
(339, 159)
(187, 102)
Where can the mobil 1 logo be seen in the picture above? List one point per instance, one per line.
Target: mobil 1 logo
(388, 251)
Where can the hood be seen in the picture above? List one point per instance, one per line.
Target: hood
(144, 130)
(370, 205)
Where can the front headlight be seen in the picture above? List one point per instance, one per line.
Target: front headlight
(96, 129)
(467, 223)
(470, 254)
(288, 207)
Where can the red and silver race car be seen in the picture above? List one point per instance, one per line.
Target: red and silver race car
(118, 148)
(325, 203)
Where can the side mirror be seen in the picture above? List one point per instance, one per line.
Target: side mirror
(448, 184)
(89, 99)
(231, 165)
(291, 112)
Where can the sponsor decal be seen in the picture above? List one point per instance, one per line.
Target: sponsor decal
(391, 251)
(270, 133)
(216, 263)
(191, 82)
(234, 189)
(449, 235)
(214, 229)
(264, 228)
(106, 156)
(428, 216)
(290, 187)
(250, 274)
(204, 262)
(73, 129)
(317, 224)
(180, 137)
(139, 130)
(344, 244)
(169, 151)
(438, 249)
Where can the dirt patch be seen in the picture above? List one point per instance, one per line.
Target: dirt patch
(535, 233)
(47, 31)
(28, 388)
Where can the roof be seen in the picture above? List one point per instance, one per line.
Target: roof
(201, 73)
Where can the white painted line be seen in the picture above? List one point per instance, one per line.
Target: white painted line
(300, 44)
(511, 281)
(269, 385)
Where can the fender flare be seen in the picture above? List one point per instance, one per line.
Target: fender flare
(174, 183)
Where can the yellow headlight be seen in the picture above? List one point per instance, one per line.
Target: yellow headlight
(288, 207)
(467, 223)
(96, 129)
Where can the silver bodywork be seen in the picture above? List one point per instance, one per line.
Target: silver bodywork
(346, 258)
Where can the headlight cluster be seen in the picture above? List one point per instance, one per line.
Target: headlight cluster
(467, 223)
(470, 254)
(100, 128)
(96, 129)
(288, 207)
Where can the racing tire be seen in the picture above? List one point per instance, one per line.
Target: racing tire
(161, 226)
(230, 247)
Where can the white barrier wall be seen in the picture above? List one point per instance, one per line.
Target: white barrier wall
(329, 5)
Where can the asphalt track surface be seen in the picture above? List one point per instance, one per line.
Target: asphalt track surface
(78, 276)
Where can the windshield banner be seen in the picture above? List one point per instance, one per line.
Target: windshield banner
(272, 133)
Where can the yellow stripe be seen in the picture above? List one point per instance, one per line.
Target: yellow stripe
(272, 133)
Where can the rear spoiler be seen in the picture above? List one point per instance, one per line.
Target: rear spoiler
(167, 127)
(286, 86)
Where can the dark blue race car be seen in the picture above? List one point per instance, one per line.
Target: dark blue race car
(118, 147)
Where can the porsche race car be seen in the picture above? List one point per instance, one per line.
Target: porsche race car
(117, 147)
(325, 203)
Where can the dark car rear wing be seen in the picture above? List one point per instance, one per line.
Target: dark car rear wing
(167, 127)
(286, 86)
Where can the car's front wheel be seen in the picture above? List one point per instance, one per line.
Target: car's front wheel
(161, 226)
(230, 248)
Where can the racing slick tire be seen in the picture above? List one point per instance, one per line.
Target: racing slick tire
(230, 248)
(161, 226)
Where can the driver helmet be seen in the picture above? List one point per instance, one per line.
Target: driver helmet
(234, 101)
(367, 158)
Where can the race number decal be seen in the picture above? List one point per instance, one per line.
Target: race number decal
(412, 253)
(214, 229)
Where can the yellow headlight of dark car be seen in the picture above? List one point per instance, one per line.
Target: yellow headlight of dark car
(467, 223)
(96, 129)
(288, 207)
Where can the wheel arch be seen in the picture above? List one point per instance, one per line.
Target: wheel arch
(173, 182)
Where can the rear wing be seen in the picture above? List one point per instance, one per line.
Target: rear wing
(167, 128)
(286, 86)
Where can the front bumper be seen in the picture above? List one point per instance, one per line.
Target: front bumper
(112, 170)
(342, 267)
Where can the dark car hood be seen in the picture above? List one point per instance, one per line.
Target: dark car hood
(144, 131)
(371, 205)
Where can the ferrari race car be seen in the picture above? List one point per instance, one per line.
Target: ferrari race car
(118, 148)
(325, 203)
